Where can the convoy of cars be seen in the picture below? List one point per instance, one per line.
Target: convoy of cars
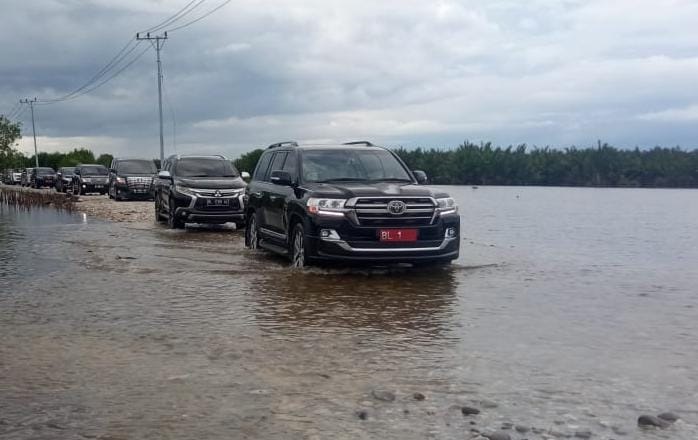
(353, 203)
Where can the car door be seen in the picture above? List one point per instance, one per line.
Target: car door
(257, 187)
(281, 194)
(273, 198)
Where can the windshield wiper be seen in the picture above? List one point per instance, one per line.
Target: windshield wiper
(342, 179)
(390, 179)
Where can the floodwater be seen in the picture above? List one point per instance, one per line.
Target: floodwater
(569, 310)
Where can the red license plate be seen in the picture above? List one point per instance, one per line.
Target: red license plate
(398, 235)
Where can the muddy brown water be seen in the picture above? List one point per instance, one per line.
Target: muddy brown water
(569, 310)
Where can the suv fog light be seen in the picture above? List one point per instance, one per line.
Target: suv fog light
(329, 234)
(451, 232)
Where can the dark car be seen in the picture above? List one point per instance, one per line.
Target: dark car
(353, 202)
(42, 177)
(90, 178)
(64, 178)
(199, 189)
(131, 179)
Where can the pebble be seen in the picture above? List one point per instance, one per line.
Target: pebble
(668, 416)
(646, 420)
(418, 396)
(363, 414)
(488, 404)
(385, 396)
(522, 429)
(583, 434)
(469, 411)
(507, 425)
(499, 435)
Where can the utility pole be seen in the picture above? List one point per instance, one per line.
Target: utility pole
(159, 43)
(31, 105)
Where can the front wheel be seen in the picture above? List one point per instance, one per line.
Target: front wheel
(252, 233)
(298, 252)
(158, 211)
(172, 221)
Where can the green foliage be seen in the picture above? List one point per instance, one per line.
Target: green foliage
(105, 159)
(471, 164)
(9, 133)
(70, 159)
(248, 161)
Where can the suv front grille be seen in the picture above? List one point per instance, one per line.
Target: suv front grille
(139, 184)
(374, 211)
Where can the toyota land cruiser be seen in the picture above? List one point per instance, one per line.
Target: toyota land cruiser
(199, 189)
(354, 202)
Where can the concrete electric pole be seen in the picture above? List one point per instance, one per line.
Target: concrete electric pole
(159, 43)
(31, 105)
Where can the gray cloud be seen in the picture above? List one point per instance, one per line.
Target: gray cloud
(547, 72)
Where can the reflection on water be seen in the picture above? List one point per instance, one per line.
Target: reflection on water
(569, 310)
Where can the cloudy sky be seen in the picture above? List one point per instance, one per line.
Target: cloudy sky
(403, 72)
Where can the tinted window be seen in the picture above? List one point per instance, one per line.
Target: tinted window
(205, 167)
(278, 162)
(136, 167)
(44, 171)
(94, 171)
(354, 164)
(261, 170)
(68, 170)
(290, 164)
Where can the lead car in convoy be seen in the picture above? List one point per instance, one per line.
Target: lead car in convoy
(353, 202)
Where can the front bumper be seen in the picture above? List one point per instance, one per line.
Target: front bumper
(124, 191)
(361, 244)
(191, 209)
(93, 187)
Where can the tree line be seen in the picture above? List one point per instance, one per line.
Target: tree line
(468, 164)
(603, 165)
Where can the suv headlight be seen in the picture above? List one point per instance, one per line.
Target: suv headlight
(121, 180)
(326, 206)
(183, 190)
(446, 205)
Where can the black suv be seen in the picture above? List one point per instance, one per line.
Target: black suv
(41, 177)
(64, 178)
(199, 189)
(131, 179)
(354, 202)
(90, 178)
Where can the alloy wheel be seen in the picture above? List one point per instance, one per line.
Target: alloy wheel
(252, 237)
(298, 256)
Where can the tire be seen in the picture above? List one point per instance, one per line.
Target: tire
(158, 212)
(172, 221)
(252, 233)
(109, 192)
(298, 250)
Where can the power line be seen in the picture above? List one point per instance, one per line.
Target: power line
(200, 18)
(176, 17)
(9, 115)
(100, 84)
(112, 64)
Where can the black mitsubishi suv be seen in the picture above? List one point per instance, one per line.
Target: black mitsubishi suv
(199, 189)
(355, 203)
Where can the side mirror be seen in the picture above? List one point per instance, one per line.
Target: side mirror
(421, 176)
(112, 170)
(281, 178)
(165, 175)
(245, 175)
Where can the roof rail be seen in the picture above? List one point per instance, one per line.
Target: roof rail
(366, 143)
(283, 144)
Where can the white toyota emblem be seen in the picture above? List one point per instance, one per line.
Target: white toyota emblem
(397, 207)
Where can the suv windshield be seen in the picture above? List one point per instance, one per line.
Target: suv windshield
(203, 167)
(68, 171)
(137, 167)
(94, 171)
(44, 171)
(352, 164)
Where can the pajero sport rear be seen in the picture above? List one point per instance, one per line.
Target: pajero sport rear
(354, 202)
